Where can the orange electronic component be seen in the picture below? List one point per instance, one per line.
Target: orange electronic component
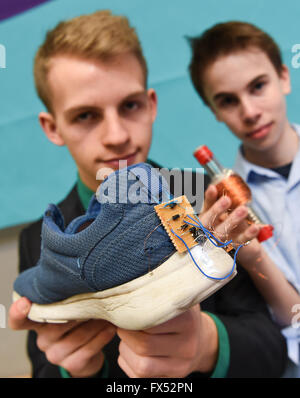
(178, 215)
(229, 183)
(173, 215)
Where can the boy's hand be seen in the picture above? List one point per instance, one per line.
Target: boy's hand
(226, 226)
(175, 348)
(75, 346)
(231, 226)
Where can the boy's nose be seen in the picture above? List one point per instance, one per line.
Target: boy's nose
(115, 131)
(250, 111)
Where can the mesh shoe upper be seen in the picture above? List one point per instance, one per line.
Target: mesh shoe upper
(117, 240)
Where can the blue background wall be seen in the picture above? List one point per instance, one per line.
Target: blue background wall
(33, 172)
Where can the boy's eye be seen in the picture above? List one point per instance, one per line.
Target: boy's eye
(227, 101)
(131, 105)
(259, 86)
(85, 116)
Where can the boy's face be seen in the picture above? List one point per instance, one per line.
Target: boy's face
(101, 112)
(246, 93)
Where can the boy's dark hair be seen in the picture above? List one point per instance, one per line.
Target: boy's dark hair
(226, 38)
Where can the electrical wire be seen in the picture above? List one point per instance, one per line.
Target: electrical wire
(209, 276)
(215, 241)
(208, 233)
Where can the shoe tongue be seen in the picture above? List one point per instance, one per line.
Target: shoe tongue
(139, 183)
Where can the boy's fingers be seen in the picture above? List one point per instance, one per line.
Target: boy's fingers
(210, 197)
(232, 225)
(208, 218)
(18, 313)
(250, 233)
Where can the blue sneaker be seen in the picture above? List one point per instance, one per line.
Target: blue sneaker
(116, 262)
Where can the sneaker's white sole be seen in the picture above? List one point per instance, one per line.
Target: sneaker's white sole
(147, 301)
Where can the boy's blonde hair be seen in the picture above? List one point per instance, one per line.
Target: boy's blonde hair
(100, 35)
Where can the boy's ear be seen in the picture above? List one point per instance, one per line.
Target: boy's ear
(152, 96)
(48, 124)
(285, 80)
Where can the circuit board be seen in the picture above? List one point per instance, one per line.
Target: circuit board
(177, 217)
(182, 225)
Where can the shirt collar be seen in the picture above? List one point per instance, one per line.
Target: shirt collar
(294, 177)
(247, 169)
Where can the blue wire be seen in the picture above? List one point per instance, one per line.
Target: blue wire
(194, 225)
(208, 276)
(205, 229)
(207, 233)
(168, 204)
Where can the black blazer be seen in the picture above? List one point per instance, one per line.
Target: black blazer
(257, 348)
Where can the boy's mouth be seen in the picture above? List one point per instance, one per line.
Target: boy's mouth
(260, 132)
(115, 162)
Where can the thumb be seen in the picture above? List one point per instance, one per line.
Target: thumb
(210, 197)
(18, 313)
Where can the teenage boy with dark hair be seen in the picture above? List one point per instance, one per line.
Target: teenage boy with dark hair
(92, 77)
(237, 70)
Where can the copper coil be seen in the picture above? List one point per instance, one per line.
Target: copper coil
(236, 188)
